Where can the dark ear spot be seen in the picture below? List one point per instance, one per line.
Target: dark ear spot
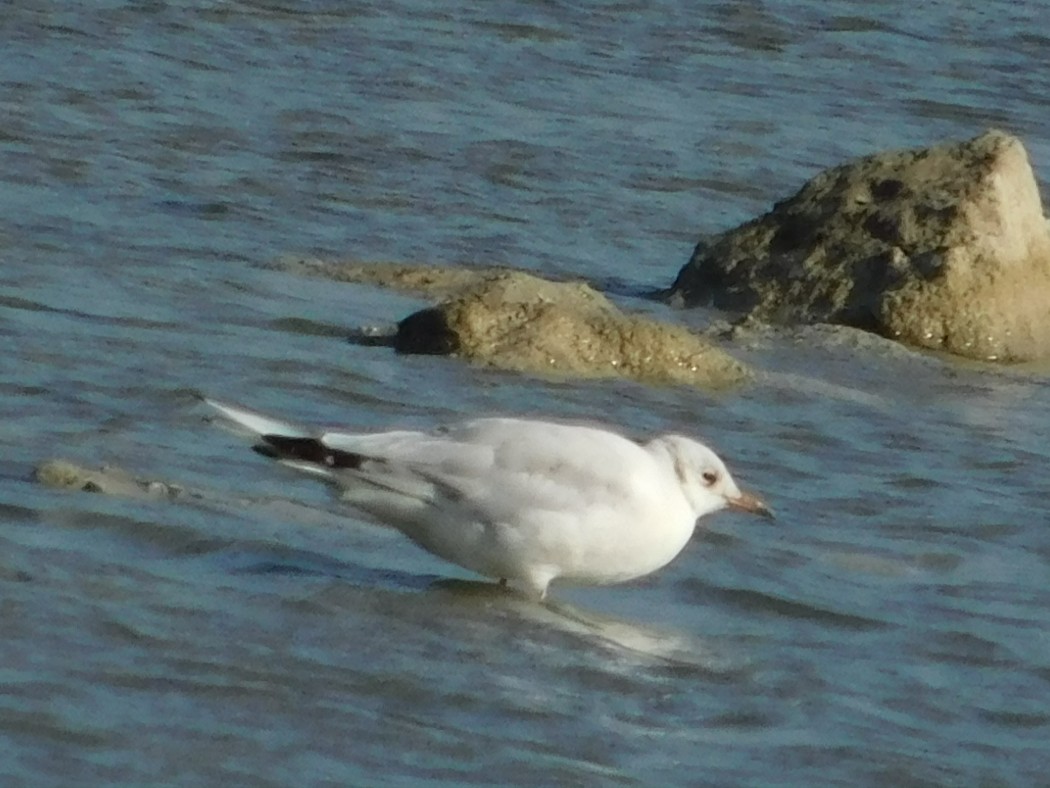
(680, 471)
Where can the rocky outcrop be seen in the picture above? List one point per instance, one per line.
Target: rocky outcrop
(524, 323)
(512, 320)
(943, 248)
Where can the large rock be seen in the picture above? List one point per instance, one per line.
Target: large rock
(508, 319)
(516, 321)
(944, 248)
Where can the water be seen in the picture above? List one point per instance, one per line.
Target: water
(890, 628)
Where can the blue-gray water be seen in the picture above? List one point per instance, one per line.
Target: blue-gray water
(890, 628)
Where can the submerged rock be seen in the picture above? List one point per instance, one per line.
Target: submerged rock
(109, 480)
(106, 479)
(943, 248)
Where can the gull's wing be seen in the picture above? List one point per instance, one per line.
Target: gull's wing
(494, 466)
(503, 466)
(509, 498)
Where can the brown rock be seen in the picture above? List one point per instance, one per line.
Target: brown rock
(944, 248)
(520, 322)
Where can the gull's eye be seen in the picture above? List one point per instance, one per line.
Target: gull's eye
(709, 477)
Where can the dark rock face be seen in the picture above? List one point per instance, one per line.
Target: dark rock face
(943, 248)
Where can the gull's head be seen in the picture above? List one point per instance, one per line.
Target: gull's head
(705, 480)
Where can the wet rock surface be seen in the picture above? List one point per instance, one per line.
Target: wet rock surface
(517, 321)
(942, 248)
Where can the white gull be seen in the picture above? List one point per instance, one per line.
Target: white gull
(520, 500)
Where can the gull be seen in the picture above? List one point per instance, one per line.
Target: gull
(519, 500)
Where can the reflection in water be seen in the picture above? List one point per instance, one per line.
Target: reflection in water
(627, 638)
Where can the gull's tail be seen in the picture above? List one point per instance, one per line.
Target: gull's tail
(287, 443)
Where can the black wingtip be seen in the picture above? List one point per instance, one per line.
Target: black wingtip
(266, 450)
(283, 447)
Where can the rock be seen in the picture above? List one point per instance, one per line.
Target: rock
(516, 321)
(942, 248)
(110, 480)
(512, 320)
(106, 479)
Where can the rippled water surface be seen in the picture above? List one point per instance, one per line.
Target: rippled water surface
(890, 628)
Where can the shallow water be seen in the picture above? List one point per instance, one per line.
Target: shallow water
(890, 627)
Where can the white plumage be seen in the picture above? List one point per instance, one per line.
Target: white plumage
(521, 500)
